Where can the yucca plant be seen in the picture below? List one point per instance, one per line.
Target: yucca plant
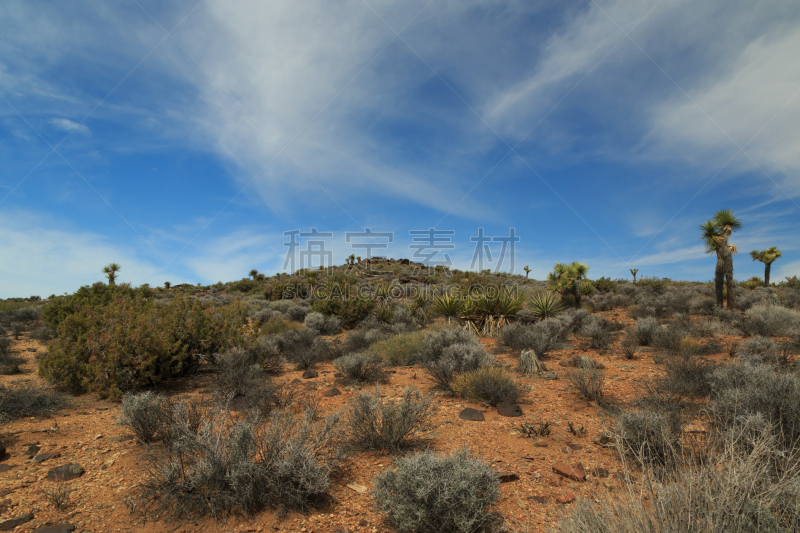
(565, 279)
(545, 305)
(449, 306)
(111, 272)
(767, 257)
(586, 287)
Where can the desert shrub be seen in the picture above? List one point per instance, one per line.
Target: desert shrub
(361, 367)
(668, 338)
(709, 327)
(702, 305)
(572, 320)
(761, 349)
(9, 364)
(587, 382)
(362, 338)
(99, 294)
(326, 325)
(303, 347)
(770, 320)
(597, 333)
(431, 493)
(276, 325)
(436, 342)
(240, 375)
(42, 333)
(350, 311)
(540, 337)
(263, 315)
(745, 389)
(17, 329)
(730, 491)
(21, 402)
(687, 375)
(457, 359)
(134, 343)
(147, 414)
(297, 312)
(492, 385)
(27, 314)
(376, 424)
(605, 285)
(240, 466)
(399, 350)
(244, 285)
(645, 330)
(650, 437)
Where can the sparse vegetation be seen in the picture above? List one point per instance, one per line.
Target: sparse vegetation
(20, 402)
(487, 384)
(377, 424)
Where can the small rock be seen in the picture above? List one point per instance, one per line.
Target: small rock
(363, 523)
(603, 440)
(8, 525)
(295, 380)
(31, 349)
(574, 473)
(310, 374)
(102, 408)
(575, 447)
(555, 480)
(5, 492)
(2, 449)
(31, 451)
(509, 409)
(566, 498)
(599, 472)
(361, 489)
(338, 375)
(121, 438)
(5, 468)
(538, 499)
(507, 477)
(331, 393)
(56, 528)
(42, 457)
(566, 450)
(473, 415)
(65, 472)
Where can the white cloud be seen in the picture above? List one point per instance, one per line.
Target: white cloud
(39, 259)
(66, 124)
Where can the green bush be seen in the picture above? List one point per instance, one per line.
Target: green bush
(350, 311)
(605, 285)
(133, 343)
(399, 350)
(87, 296)
(361, 368)
(492, 385)
(457, 359)
(430, 493)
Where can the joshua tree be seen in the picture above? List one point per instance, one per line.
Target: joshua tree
(254, 274)
(358, 258)
(527, 270)
(767, 257)
(167, 285)
(566, 279)
(351, 258)
(111, 272)
(715, 234)
(634, 271)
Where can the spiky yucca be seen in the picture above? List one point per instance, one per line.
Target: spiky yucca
(545, 305)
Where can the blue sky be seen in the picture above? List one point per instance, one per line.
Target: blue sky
(181, 139)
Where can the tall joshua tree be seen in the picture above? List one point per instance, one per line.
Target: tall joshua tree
(715, 234)
(566, 279)
(111, 273)
(254, 274)
(634, 271)
(767, 257)
(527, 270)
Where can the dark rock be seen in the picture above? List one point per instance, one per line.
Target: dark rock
(575, 447)
(572, 472)
(603, 439)
(295, 380)
(31, 451)
(42, 457)
(102, 408)
(65, 472)
(539, 499)
(509, 409)
(121, 438)
(5, 468)
(8, 525)
(5, 492)
(2, 449)
(507, 477)
(310, 384)
(363, 523)
(310, 374)
(599, 472)
(56, 528)
(338, 375)
(566, 449)
(473, 415)
(330, 393)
